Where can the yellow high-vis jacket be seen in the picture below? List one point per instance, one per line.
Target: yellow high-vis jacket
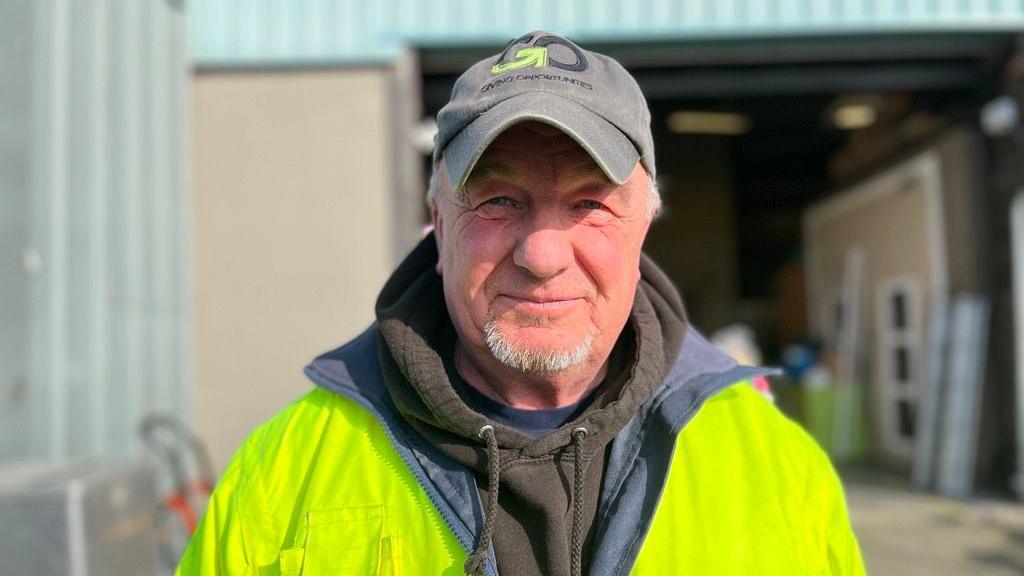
(709, 479)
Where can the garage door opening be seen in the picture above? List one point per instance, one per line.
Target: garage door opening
(752, 134)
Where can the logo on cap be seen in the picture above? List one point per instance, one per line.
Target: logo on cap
(537, 55)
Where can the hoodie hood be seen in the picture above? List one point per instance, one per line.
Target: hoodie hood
(417, 334)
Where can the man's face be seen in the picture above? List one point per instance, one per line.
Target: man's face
(540, 252)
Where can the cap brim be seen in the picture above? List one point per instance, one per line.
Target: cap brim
(606, 144)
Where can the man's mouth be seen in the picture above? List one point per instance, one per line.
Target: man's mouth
(539, 304)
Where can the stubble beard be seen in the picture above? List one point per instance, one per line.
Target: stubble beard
(531, 361)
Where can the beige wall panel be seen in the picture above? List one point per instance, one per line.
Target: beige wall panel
(293, 233)
(893, 234)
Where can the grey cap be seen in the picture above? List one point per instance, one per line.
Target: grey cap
(546, 78)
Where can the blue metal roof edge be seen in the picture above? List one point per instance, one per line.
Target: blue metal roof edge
(227, 33)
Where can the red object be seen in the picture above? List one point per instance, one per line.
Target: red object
(760, 383)
(178, 504)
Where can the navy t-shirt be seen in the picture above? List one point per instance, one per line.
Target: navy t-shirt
(535, 422)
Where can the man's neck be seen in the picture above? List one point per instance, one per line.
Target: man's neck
(523, 390)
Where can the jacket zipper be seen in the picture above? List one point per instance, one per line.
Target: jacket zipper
(463, 535)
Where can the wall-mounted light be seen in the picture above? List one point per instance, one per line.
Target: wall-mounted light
(693, 122)
(1000, 117)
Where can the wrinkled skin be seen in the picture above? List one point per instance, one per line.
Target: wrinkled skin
(543, 244)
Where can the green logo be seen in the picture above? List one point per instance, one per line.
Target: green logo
(537, 57)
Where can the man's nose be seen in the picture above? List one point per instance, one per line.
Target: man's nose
(543, 250)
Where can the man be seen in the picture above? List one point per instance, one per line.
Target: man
(531, 399)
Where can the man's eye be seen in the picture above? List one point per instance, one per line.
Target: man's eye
(500, 201)
(590, 205)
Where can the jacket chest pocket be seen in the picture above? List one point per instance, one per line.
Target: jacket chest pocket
(341, 541)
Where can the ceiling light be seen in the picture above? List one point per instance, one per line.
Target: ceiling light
(854, 116)
(690, 122)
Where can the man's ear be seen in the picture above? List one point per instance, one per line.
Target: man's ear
(435, 217)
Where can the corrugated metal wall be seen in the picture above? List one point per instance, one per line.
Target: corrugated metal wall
(261, 32)
(15, 200)
(106, 242)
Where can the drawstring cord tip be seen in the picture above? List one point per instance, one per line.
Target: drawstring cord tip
(475, 563)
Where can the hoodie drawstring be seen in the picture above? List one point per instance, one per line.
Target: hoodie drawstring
(475, 563)
(476, 560)
(576, 568)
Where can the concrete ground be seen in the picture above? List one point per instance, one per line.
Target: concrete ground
(907, 533)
